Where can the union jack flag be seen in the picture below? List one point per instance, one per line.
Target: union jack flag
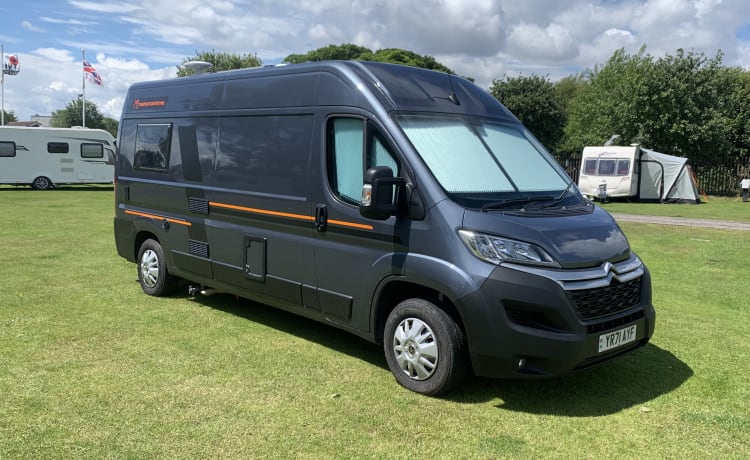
(91, 73)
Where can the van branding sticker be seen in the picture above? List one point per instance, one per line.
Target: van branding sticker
(149, 103)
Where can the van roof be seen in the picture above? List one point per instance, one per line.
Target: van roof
(371, 85)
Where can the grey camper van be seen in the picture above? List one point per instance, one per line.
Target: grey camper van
(406, 206)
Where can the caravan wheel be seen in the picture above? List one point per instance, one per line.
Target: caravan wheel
(41, 183)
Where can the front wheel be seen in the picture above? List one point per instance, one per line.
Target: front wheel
(425, 348)
(153, 276)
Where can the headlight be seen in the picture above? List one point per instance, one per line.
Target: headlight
(497, 250)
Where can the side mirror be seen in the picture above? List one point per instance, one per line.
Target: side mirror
(380, 193)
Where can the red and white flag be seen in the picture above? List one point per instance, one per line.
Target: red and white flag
(11, 66)
(91, 73)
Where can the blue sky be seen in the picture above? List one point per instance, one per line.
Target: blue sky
(134, 40)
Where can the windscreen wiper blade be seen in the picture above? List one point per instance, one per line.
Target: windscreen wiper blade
(510, 202)
(559, 199)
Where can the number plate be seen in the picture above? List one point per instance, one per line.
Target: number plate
(617, 338)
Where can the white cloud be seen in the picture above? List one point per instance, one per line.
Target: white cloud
(31, 27)
(106, 7)
(134, 40)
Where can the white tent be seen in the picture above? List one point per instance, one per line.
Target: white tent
(666, 178)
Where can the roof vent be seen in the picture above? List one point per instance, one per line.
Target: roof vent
(198, 67)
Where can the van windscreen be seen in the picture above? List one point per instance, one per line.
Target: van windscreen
(470, 156)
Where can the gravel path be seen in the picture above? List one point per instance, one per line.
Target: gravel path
(682, 221)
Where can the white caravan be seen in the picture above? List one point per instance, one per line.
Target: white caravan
(45, 157)
(636, 172)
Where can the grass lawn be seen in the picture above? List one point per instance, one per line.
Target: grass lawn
(90, 367)
(717, 208)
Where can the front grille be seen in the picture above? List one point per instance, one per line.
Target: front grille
(607, 300)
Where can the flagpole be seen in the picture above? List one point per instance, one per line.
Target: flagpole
(83, 87)
(2, 83)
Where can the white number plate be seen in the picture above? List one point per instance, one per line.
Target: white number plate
(616, 338)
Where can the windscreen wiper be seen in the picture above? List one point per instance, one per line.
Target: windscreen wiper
(511, 201)
(558, 200)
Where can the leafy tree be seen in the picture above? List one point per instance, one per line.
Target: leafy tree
(111, 125)
(72, 115)
(345, 52)
(220, 61)
(9, 116)
(685, 104)
(349, 51)
(536, 102)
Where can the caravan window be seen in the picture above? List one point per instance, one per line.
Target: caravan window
(57, 147)
(92, 151)
(7, 149)
(152, 147)
(623, 167)
(606, 167)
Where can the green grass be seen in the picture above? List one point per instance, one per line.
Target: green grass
(715, 208)
(90, 367)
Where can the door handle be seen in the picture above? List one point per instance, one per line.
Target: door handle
(321, 218)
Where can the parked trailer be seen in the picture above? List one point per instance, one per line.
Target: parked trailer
(46, 157)
(638, 173)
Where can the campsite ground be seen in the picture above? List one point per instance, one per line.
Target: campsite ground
(90, 367)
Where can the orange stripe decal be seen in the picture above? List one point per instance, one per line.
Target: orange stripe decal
(154, 216)
(267, 212)
(261, 211)
(350, 224)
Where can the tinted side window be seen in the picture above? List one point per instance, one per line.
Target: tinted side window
(58, 147)
(589, 167)
(92, 151)
(7, 149)
(265, 154)
(623, 167)
(606, 167)
(152, 147)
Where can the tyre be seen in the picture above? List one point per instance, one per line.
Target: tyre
(41, 183)
(425, 349)
(153, 276)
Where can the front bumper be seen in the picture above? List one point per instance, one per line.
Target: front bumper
(534, 322)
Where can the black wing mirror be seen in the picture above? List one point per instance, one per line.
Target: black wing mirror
(380, 193)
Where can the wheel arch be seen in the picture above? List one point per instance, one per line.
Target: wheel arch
(395, 290)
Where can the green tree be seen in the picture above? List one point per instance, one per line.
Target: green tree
(684, 104)
(536, 102)
(72, 115)
(345, 52)
(9, 116)
(349, 51)
(220, 61)
(111, 125)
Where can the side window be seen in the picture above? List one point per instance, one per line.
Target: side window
(57, 147)
(349, 156)
(623, 167)
(7, 149)
(152, 147)
(589, 167)
(345, 169)
(92, 151)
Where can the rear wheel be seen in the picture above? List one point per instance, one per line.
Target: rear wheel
(41, 183)
(153, 276)
(425, 349)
